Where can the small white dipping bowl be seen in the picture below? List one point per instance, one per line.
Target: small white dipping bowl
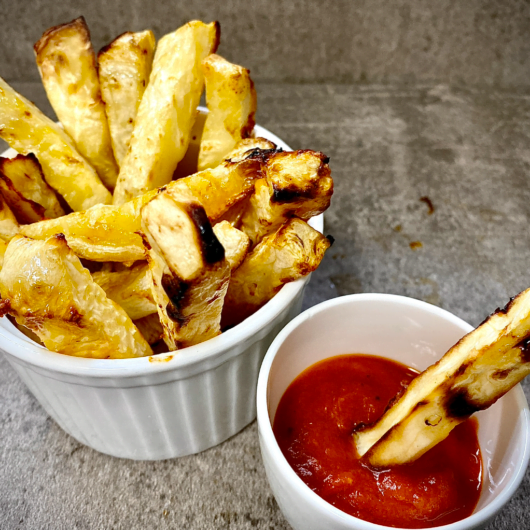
(409, 331)
(164, 406)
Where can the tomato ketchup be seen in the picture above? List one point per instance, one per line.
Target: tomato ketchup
(314, 423)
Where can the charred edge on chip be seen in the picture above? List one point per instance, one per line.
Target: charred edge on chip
(461, 369)
(212, 250)
(394, 400)
(331, 239)
(288, 193)
(112, 44)
(217, 40)
(262, 155)
(291, 194)
(78, 23)
(501, 310)
(146, 243)
(175, 290)
(459, 405)
(362, 426)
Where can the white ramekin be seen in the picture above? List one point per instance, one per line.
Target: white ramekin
(414, 333)
(163, 406)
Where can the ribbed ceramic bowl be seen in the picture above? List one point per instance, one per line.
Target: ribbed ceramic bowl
(163, 406)
(406, 330)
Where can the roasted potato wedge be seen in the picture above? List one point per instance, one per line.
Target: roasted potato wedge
(190, 272)
(9, 226)
(293, 251)
(25, 190)
(296, 184)
(124, 68)
(130, 288)
(67, 65)
(27, 130)
(150, 328)
(471, 376)
(167, 111)
(231, 101)
(45, 287)
(235, 243)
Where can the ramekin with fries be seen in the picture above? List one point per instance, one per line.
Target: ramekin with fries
(141, 297)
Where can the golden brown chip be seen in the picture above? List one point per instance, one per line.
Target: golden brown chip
(130, 288)
(231, 100)
(471, 376)
(25, 190)
(167, 111)
(102, 233)
(235, 243)
(222, 187)
(27, 130)
(67, 65)
(292, 252)
(110, 233)
(190, 272)
(124, 68)
(296, 184)
(45, 287)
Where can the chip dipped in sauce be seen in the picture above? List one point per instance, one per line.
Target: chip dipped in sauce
(313, 426)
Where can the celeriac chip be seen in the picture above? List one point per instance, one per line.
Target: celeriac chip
(124, 66)
(296, 184)
(27, 130)
(222, 187)
(471, 376)
(101, 233)
(231, 100)
(235, 243)
(67, 65)
(190, 272)
(167, 111)
(293, 251)
(45, 287)
(130, 288)
(110, 233)
(25, 190)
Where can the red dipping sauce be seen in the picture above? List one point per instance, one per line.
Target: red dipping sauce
(313, 426)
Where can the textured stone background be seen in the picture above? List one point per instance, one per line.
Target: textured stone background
(474, 42)
(451, 122)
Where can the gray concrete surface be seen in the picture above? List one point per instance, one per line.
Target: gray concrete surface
(468, 150)
(472, 42)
